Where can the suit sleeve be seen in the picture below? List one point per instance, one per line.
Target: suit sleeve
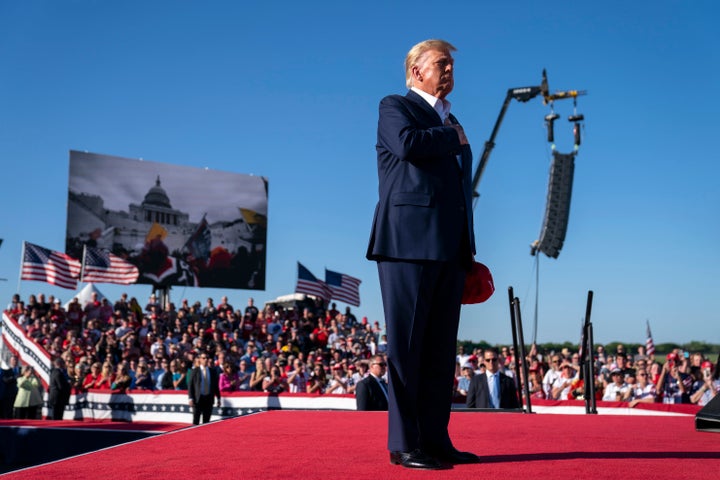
(398, 131)
(471, 401)
(362, 396)
(53, 386)
(510, 393)
(191, 384)
(215, 384)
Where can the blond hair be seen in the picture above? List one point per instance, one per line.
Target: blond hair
(418, 51)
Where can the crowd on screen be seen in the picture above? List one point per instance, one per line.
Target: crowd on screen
(125, 346)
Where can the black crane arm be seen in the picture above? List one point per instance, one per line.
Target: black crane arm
(522, 94)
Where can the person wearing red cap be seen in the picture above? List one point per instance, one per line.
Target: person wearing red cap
(673, 384)
(474, 361)
(708, 384)
(339, 382)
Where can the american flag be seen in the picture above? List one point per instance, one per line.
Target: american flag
(307, 283)
(344, 287)
(200, 242)
(649, 344)
(100, 266)
(43, 265)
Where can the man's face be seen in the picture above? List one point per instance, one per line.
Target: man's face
(555, 363)
(491, 362)
(377, 367)
(434, 73)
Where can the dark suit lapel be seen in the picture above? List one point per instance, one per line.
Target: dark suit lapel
(433, 116)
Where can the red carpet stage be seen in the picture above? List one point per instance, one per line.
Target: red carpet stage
(32, 442)
(351, 445)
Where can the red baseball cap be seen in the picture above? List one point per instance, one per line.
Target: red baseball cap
(479, 284)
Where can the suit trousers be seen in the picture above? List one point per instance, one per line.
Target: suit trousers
(421, 300)
(58, 410)
(203, 407)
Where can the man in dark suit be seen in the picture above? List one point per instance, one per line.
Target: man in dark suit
(492, 389)
(203, 387)
(422, 239)
(371, 393)
(59, 389)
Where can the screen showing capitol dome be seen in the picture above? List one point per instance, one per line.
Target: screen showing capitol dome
(178, 225)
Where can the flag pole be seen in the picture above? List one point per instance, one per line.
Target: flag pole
(82, 265)
(22, 259)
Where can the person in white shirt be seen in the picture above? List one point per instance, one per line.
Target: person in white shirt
(563, 384)
(297, 377)
(617, 390)
(551, 375)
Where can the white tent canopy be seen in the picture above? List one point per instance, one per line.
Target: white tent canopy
(85, 295)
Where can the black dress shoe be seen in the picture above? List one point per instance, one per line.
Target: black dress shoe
(416, 459)
(454, 456)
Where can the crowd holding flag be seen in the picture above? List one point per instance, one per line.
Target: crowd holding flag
(200, 242)
(100, 266)
(307, 283)
(343, 287)
(649, 344)
(55, 268)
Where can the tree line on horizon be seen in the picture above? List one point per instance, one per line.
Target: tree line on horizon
(661, 349)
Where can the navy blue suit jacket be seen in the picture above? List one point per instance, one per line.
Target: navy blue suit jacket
(422, 238)
(369, 395)
(479, 396)
(419, 185)
(195, 384)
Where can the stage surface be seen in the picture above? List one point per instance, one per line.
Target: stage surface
(351, 445)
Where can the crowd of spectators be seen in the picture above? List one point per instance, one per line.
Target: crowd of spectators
(682, 377)
(125, 346)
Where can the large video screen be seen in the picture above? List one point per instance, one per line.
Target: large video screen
(179, 225)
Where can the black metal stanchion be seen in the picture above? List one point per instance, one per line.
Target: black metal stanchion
(513, 326)
(587, 359)
(520, 361)
(523, 353)
(593, 398)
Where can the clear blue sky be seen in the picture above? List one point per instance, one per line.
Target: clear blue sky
(290, 91)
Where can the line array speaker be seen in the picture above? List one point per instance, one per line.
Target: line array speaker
(557, 208)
